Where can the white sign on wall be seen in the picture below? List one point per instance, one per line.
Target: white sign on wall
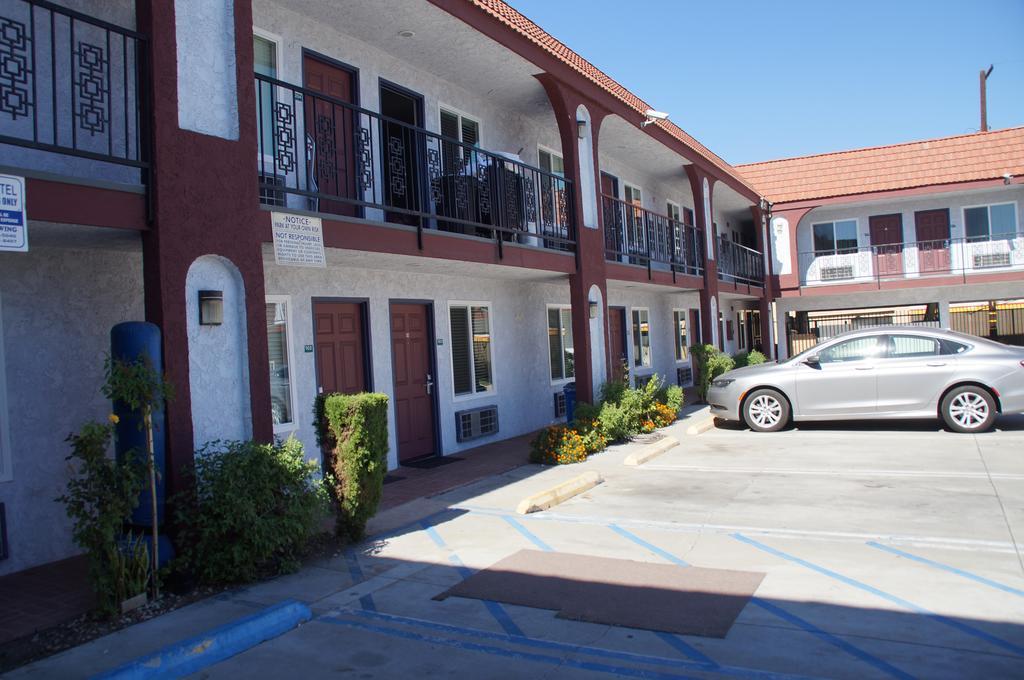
(298, 240)
(13, 219)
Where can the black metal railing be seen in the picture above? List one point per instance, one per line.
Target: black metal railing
(72, 84)
(937, 257)
(739, 264)
(638, 236)
(321, 153)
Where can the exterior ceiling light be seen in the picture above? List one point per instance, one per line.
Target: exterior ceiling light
(406, 33)
(211, 307)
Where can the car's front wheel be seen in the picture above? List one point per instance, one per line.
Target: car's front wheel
(968, 409)
(766, 410)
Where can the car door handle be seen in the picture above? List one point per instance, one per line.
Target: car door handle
(937, 363)
(865, 368)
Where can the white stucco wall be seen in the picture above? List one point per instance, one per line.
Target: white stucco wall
(207, 84)
(58, 303)
(522, 385)
(218, 357)
(655, 189)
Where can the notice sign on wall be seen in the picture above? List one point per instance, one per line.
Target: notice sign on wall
(298, 240)
(13, 223)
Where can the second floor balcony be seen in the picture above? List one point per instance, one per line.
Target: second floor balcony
(917, 259)
(635, 235)
(323, 154)
(739, 264)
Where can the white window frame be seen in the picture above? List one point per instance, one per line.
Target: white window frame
(547, 346)
(650, 340)
(6, 462)
(289, 340)
(989, 206)
(268, 159)
(679, 210)
(552, 152)
(472, 360)
(856, 226)
(675, 334)
(635, 187)
(441, 106)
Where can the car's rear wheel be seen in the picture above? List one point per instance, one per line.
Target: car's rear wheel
(766, 410)
(968, 408)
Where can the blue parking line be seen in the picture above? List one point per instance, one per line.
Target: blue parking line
(906, 604)
(563, 647)
(650, 546)
(495, 608)
(950, 569)
(356, 572)
(533, 538)
(681, 645)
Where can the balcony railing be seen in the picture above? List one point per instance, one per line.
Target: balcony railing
(638, 236)
(740, 264)
(71, 84)
(943, 257)
(321, 153)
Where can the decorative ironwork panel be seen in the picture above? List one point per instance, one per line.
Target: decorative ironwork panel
(364, 158)
(461, 193)
(15, 74)
(327, 149)
(434, 174)
(396, 162)
(513, 210)
(284, 137)
(484, 189)
(531, 198)
(93, 87)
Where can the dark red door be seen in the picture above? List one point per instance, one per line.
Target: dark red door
(932, 240)
(617, 342)
(340, 353)
(330, 133)
(414, 403)
(887, 239)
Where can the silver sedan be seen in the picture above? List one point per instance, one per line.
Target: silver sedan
(885, 372)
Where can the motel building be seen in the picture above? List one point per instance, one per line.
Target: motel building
(433, 199)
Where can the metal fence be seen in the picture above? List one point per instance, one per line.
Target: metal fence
(638, 236)
(739, 264)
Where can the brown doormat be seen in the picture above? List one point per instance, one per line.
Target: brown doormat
(662, 597)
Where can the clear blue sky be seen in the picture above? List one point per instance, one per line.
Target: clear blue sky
(833, 75)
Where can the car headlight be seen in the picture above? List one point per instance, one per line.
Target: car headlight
(723, 382)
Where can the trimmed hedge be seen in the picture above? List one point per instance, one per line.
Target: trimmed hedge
(352, 429)
(751, 358)
(711, 364)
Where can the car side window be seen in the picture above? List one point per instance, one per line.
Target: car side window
(850, 350)
(907, 346)
(952, 347)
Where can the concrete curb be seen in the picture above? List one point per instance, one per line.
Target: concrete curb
(701, 426)
(196, 653)
(560, 493)
(653, 451)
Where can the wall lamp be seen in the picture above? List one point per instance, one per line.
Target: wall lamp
(211, 307)
(593, 310)
(581, 129)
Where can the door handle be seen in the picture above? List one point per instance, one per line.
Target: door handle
(937, 363)
(429, 383)
(864, 368)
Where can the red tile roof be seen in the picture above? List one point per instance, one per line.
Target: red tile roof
(947, 160)
(515, 20)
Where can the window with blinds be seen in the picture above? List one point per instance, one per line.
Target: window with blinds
(560, 345)
(679, 324)
(465, 130)
(470, 330)
(280, 373)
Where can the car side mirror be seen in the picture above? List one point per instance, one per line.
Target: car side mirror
(813, 361)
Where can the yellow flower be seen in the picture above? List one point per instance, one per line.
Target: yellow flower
(114, 420)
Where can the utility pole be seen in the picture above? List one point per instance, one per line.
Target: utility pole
(982, 78)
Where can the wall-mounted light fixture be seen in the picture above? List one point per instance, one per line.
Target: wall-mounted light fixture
(593, 310)
(211, 307)
(581, 129)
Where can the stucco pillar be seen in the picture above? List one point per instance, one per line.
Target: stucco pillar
(782, 236)
(205, 201)
(944, 318)
(582, 168)
(700, 185)
(764, 304)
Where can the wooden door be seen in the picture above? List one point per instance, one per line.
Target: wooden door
(612, 214)
(330, 133)
(414, 380)
(887, 239)
(340, 343)
(932, 241)
(617, 342)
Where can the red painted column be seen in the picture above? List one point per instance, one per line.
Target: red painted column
(788, 281)
(705, 223)
(765, 303)
(205, 201)
(590, 263)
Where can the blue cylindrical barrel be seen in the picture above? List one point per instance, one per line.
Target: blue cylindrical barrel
(570, 401)
(128, 342)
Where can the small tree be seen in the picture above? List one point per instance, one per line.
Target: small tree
(141, 388)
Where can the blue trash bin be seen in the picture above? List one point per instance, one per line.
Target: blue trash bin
(570, 401)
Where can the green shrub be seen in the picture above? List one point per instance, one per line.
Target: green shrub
(558, 445)
(255, 508)
(586, 412)
(718, 364)
(755, 357)
(99, 499)
(615, 422)
(356, 450)
(671, 396)
(739, 359)
(612, 391)
(710, 364)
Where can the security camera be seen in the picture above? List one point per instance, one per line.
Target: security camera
(1007, 178)
(653, 116)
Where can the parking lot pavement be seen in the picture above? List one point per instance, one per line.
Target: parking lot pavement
(888, 553)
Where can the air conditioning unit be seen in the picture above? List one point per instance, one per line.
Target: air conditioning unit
(270, 195)
(837, 273)
(559, 404)
(684, 376)
(475, 423)
(984, 260)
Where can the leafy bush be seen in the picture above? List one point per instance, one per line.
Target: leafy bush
(711, 363)
(751, 358)
(671, 396)
(592, 432)
(558, 445)
(99, 500)
(612, 391)
(664, 415)
(129, 560)
(356, 449)
(615, 422)
(255, 508)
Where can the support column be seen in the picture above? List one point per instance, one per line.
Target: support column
(700, 185)
(205, 203)
(945, 320)
(783, 225)
(580, 156)
(764, 305)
